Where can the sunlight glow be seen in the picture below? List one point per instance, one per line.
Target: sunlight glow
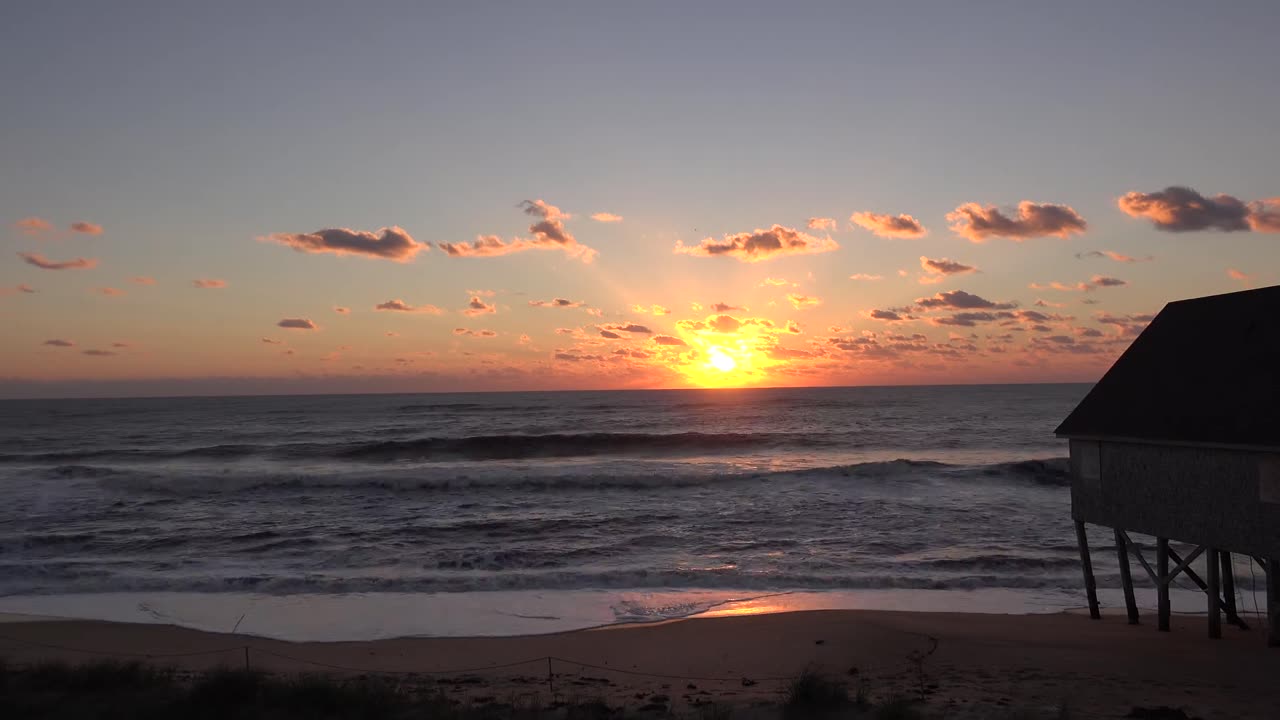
(720, 360)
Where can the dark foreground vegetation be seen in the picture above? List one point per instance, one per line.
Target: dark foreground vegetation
(113, 690)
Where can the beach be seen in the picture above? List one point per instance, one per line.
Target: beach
(963, 665)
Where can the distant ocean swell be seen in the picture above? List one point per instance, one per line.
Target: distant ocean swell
(1050, 472)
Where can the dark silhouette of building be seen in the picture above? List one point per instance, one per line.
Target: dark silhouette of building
(1181, 440)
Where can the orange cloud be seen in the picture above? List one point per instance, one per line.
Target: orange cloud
(209, 284)
(33, 226)
(1264, 215)
(627, 327)
(803, 302)
(23, 288)
(87, 228)
(341, 310)
(388, 243)
(760, 245)
(1097, 281)
(865, 276)
(44, 263)
(270, 341)
(775, 282)
(297, 324)
(961, 300)
(606, 217)
(549, 233)
(822, 223)
(978, 224)
(474, 333)
(652, 309)
(109, 291)
(60, 343)
(1181, 209)
(478, 307)
(669, 341)
(940, 269)
(402, 306)
(889, 226)
(556, 303)
(1237, 275)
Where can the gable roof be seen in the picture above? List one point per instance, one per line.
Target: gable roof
(1205, 371)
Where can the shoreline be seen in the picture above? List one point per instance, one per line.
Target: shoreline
(1100, 668)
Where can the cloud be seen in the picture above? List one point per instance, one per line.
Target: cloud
(87, 228)
(97, 353)
(944, 267)
(889, 315)
(1264, 215)
(209, 284)
(1046, 303)
(606, 217)
(1237, 275)
(549, 233)
(760, 245)
(33, 226)
(803, 302)
(652, 309)
(475, 333)
(1097, 281)
(1118, 257)
(961, 300)
(110, 291)
(119, 344)
(558, 303)
(23, 288)
(978, 224)
(793, 327)
(1125, 325)
(610, 335)
(1181, 209)
(669, 340)
(142, 280)
(628, 327)
(775, 282)
(970, 319)
(59, 343)
(822, 223)
(865, 276)
(725, 307)
(269, 341)
(402, 306)
(478, 307)
(889, 226)
(44, 263)
(342, 310)
(297, 324)
(574, 357)
(388, 243)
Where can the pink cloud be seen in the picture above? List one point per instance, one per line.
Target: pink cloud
(297, 324)
(606, 217)
(556, 303)
(388, 243)
(760, 245)
(1181, 209)
(33, 226)
(209, 284)
(944, 267)
(402, 306)
(23, 288)
(961, 300)
(548, 232)
(890, 226)
(44, 263)
(478, 307)
(1240, 276)
(109, 291)
(474, 333)
(1264, 215)
(59, 343)
(342, 310)
(822, 223)
(1097, 281)
(978, 224)
(1118, 257)
(86, 228)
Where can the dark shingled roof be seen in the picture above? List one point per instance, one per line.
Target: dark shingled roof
(1204, 371)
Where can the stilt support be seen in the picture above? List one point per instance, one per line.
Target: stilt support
(1162, 584)
(1273, 602)
(1090, 587)
(1229, 589)
(1126, 578)
(1232, 617)
(1213, 591)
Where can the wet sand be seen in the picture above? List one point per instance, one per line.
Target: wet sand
(966, 664)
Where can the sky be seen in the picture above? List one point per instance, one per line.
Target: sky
(270, 197)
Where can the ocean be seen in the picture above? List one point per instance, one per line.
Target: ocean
(496, 513)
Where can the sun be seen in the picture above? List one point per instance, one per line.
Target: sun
(720, 360)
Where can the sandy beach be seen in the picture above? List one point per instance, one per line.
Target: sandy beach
(971, 665)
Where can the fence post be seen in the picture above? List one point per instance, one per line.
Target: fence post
(246, 658)
(551, 679)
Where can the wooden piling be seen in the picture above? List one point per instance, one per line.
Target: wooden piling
(1213, 591)
(1126, 578)
(1162, 584)
(1229, 588)
(1273, 602)
(1090, 586)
